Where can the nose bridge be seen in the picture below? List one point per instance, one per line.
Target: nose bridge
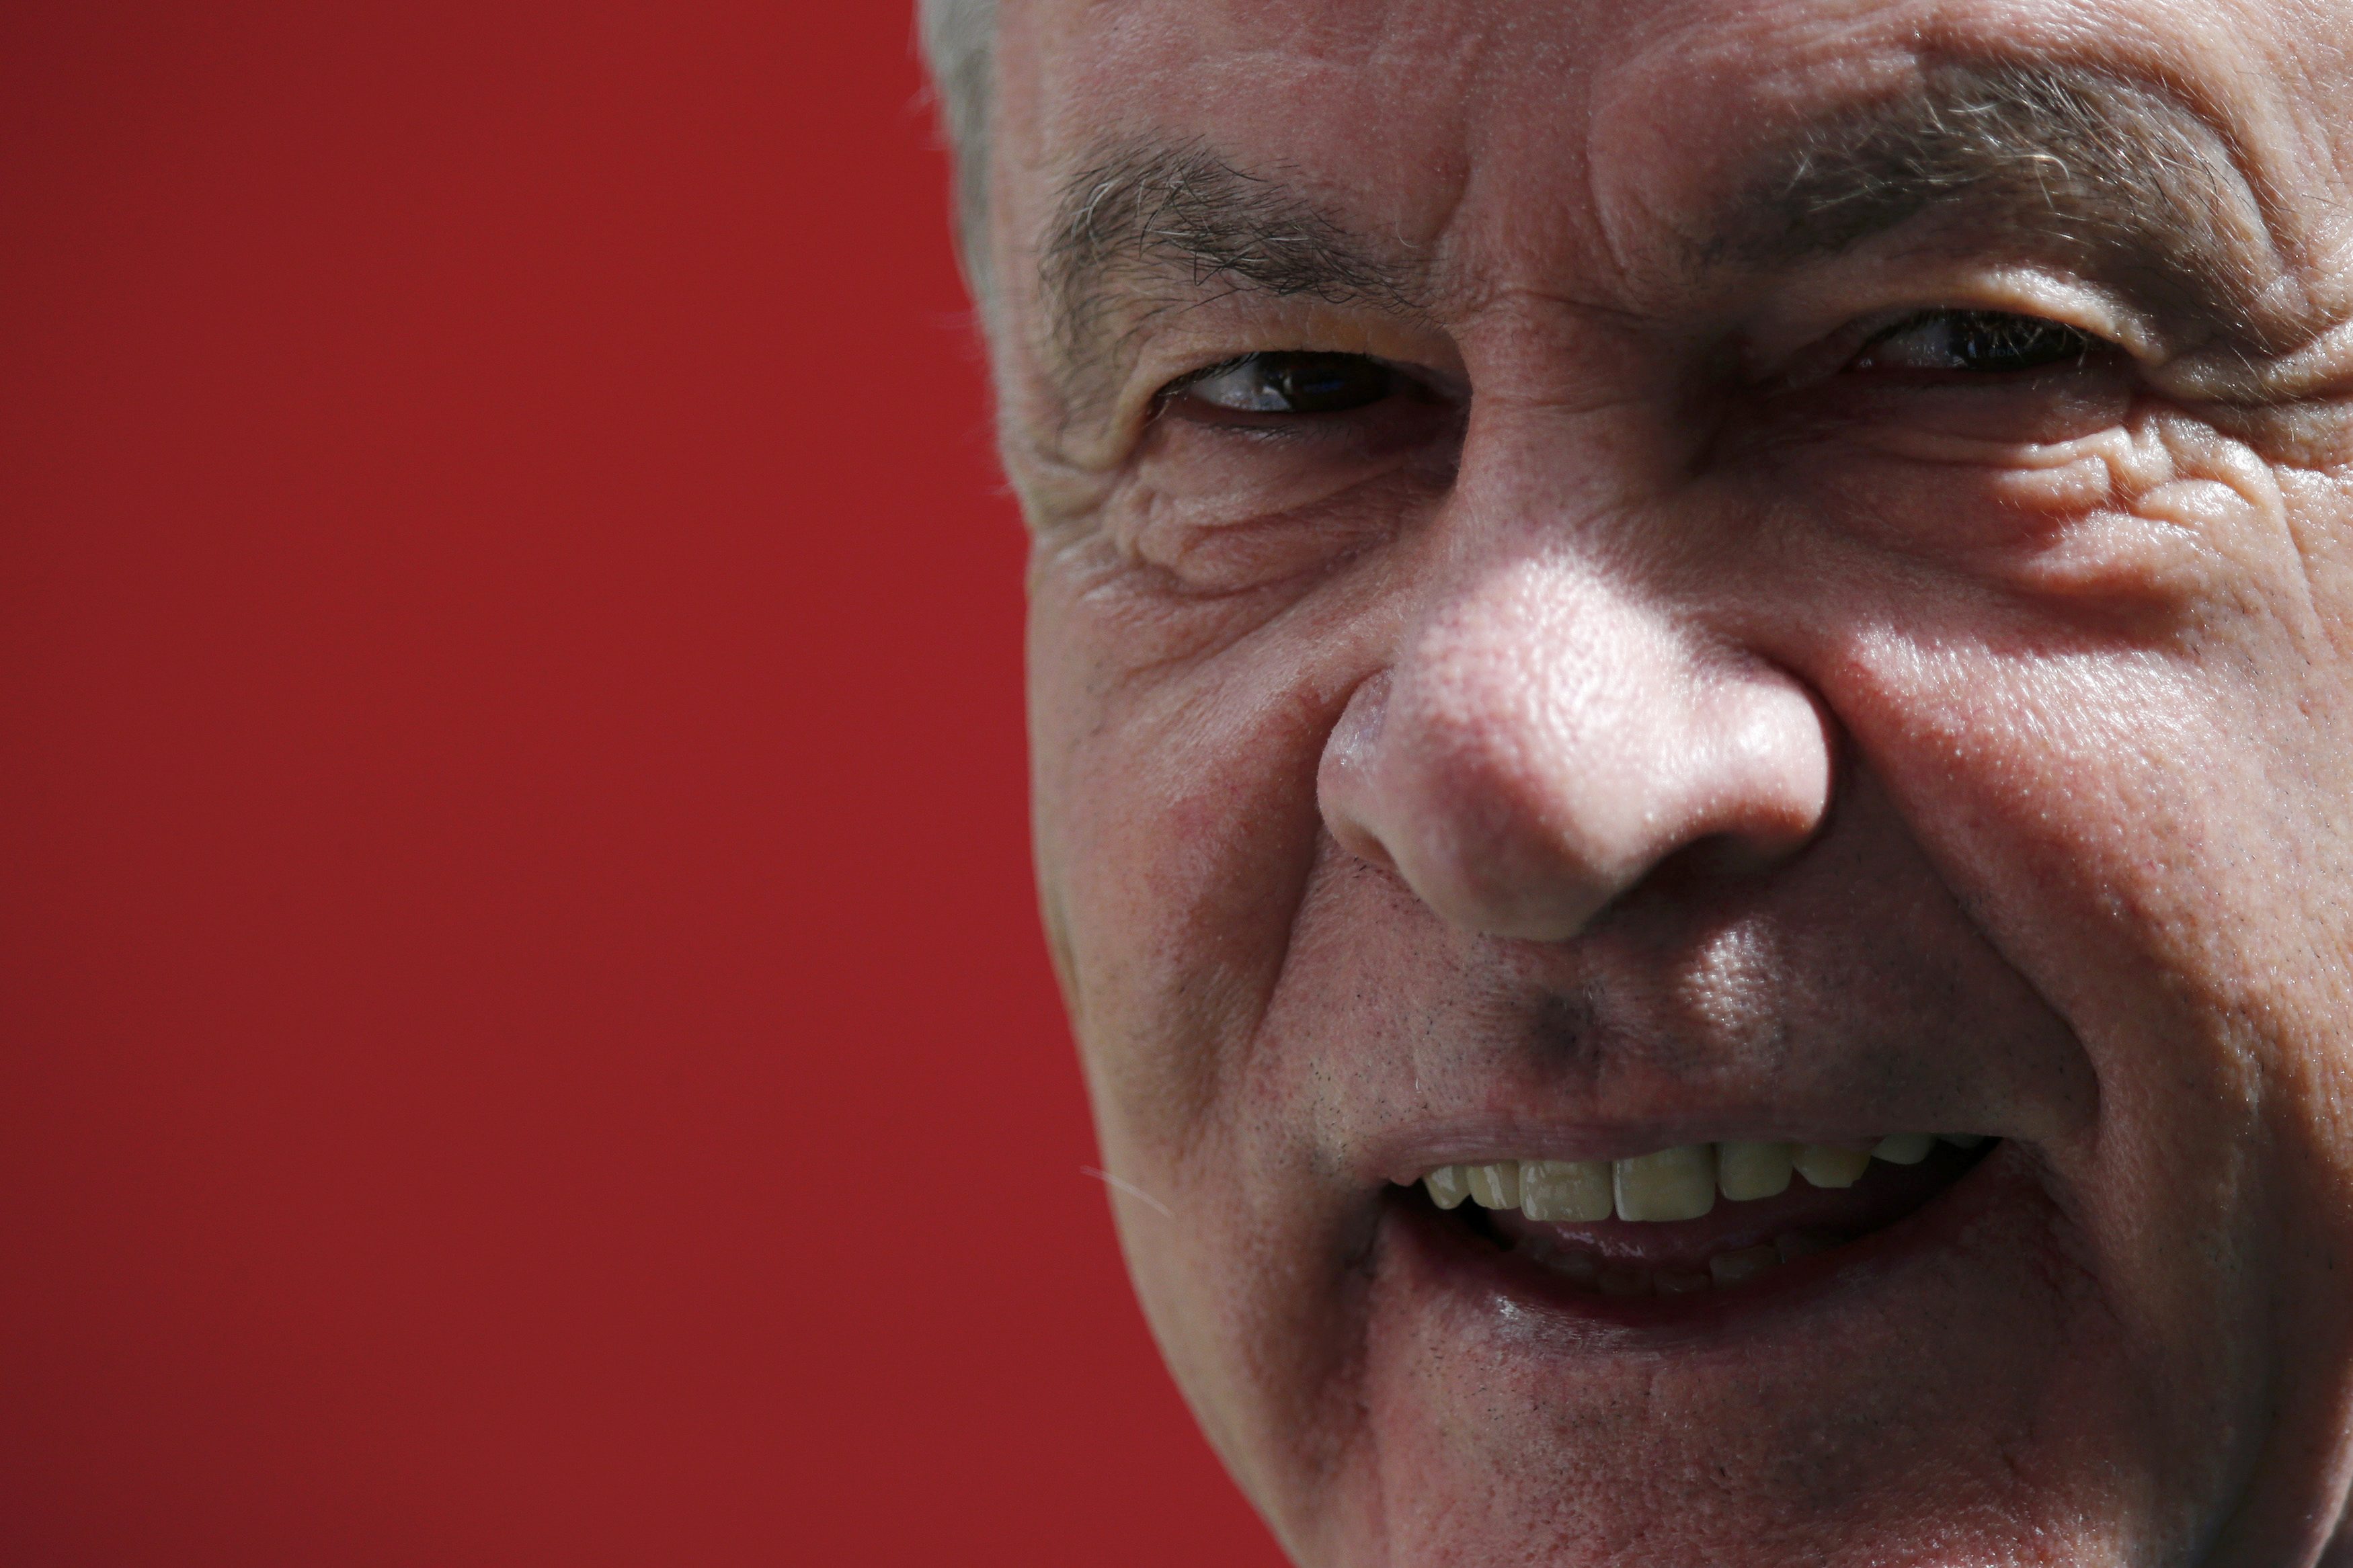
(1556, 721)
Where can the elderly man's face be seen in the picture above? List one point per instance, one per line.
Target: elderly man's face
(1722, 582)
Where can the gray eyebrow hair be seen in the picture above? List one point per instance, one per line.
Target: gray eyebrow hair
(2104, 168)
(2096, 166)
(1149, 212)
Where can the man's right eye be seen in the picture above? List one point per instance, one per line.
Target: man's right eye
(1289, 384)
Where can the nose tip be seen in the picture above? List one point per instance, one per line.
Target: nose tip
(1520, 778)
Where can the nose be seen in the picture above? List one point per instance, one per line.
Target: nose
(1547, 738)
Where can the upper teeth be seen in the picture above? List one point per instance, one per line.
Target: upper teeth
(1672, 1184)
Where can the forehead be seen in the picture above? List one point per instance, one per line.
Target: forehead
(1536, 129)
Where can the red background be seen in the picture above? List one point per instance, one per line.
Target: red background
(526, 1038)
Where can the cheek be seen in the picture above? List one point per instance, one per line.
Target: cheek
(1177, 824)
(2162, 511)
(1216, 546)
(2111, 694)
(2065, 792)
(2104, 680)
(2151, 528)
(1212, 511)
(2147, 831)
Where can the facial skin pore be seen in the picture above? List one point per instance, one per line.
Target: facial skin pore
(1683, 685)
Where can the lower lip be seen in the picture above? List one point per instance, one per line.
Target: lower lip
(1430, 1247)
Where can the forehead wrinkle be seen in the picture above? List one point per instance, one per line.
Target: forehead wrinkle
(2102, 168)
(1150, 226)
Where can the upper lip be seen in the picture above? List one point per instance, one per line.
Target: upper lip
(1623, 1044)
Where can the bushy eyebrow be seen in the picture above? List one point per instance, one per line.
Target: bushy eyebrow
(2111, 170)
(1159, 225)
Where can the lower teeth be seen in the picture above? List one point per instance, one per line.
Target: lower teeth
(1590, 1271)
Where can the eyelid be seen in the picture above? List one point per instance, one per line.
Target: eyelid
(1199, 338)
(1811, 322)
(1414, 381)
(1831, 355)
(1193, 377)
(1210, 372)
(1898, 320)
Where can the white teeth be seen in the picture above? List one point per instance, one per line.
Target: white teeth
(1828, 1165)
(1496, 1186)
(1572, 1190)
(1449, 1185)
(1731, 1267)
(1726, 1270)
(1574, 1262)
(1749, 1170)
(1671, 1185)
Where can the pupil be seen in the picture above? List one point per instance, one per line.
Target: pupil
(1325, 384)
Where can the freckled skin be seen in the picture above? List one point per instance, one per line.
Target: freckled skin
(1878, 756)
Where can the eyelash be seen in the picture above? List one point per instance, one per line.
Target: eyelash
(2010, 334)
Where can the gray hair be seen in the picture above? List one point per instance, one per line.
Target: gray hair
(958, 39)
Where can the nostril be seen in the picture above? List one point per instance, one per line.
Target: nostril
(1362, 845)
(1344, 778)
(1722, 858)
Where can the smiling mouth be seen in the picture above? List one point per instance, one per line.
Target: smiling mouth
(1699, 1219)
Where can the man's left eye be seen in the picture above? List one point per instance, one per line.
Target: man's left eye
(1292, 383)
(1979, 342)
